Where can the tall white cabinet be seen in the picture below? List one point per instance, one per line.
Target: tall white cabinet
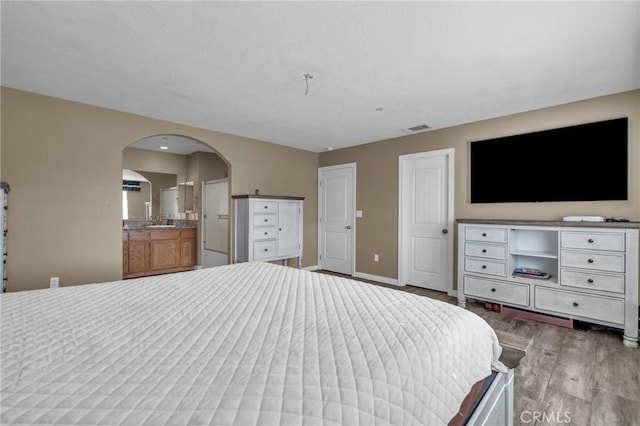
(267, 228)
(593, 269)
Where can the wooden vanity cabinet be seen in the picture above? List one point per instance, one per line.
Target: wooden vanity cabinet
(157, 251)
(187, 248)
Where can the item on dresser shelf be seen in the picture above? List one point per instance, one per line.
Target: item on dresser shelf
(544, 276)
(584, 219)
(531, 273)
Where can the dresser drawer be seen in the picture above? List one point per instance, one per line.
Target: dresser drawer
(265, 220)
(581, 305)
(485, 250)
(260, 206)
(492, 235)
(509, 293)
(593, 240)
(592, 280)
(597, 261)
(485, 267)
(264, 249)
(265, 233)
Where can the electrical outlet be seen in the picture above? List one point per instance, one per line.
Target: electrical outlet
(54, 281)
(376, 258)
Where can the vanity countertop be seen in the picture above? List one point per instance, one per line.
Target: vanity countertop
(156, 227)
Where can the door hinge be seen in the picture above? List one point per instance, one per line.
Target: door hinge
(320, 257)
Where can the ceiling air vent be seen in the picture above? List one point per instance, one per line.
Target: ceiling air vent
(414, 129)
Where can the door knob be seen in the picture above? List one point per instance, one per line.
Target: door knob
(347, 227)
(445, 231)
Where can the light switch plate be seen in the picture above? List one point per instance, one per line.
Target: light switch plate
(358, 213)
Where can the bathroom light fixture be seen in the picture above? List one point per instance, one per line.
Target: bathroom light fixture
(307, 77)
(164, 147)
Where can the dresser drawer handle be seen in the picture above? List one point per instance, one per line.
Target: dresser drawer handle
(266, 220)
(590, 280)
(590, 240)
(576, 304)
(484, 234)
(266, 207)
(266, 249)
(266, 233)
(484, 250)
(484, 266)
(493, 290)
(590, 260)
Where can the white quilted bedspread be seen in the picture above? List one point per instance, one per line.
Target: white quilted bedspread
(246, 344)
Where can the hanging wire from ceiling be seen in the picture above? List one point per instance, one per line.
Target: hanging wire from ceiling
(307, 77)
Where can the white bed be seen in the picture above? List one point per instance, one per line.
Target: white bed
(250, 344)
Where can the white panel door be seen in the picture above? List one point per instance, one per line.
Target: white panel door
(336, 216)
(424, 221)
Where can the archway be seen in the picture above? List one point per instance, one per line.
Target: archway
(177, 166)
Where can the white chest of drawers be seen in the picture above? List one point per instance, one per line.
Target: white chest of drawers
(593, 268)
(267, 228)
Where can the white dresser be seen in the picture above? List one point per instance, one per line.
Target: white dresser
(267, 228)
(593, 269)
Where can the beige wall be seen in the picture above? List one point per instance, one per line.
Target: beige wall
(50, 146)
(377, 174)
(142, 160)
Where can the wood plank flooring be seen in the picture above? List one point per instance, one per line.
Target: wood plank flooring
(568, 376)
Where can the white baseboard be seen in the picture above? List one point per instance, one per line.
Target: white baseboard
(310, 268)
(378, 278)
(452, 293)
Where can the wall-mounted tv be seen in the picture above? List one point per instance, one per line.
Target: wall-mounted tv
(587, 162)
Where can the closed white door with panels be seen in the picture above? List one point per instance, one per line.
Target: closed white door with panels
(425, 218)
(336, 212)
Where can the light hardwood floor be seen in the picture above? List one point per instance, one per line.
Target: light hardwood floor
(567, 376)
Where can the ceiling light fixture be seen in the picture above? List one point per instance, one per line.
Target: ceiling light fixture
(307, 77)
(164, 147)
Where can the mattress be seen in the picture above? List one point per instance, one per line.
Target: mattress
(250, 344)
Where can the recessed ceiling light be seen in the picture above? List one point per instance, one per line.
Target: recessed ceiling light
(164, 147)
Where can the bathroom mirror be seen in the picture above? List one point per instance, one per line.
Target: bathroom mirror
(144, 204)
(185, 197)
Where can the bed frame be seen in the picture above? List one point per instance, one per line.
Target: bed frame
(496, 406)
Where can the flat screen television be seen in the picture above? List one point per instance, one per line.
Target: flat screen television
(587, 162)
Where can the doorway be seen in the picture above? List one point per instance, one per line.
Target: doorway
(336, 218)
(425, 219)
(215, 223)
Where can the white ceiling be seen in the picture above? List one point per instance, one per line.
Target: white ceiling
(238, 67)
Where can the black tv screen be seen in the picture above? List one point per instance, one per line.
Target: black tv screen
(587, 162)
